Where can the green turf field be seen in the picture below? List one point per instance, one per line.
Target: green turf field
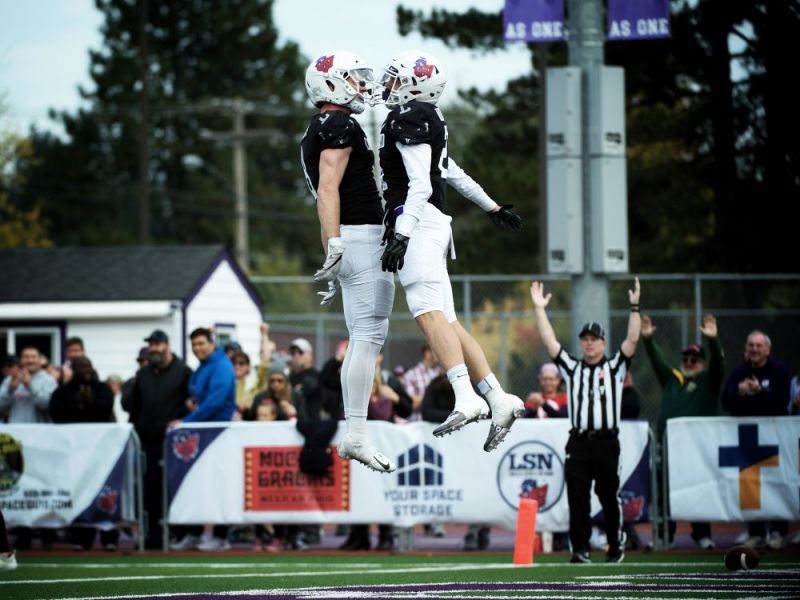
(336, 575)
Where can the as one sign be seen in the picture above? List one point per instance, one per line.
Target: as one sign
(638, 20)
(533, 20)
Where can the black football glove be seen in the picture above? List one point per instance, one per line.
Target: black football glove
(505, 218)
(392, 258)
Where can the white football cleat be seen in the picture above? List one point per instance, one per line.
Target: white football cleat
(504, 414)
(8, 562)
(468, 409)
(364, 452)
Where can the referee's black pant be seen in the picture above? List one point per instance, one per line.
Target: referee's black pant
(593, 458)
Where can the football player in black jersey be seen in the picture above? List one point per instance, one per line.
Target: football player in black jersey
(338, 165)
(415, 169)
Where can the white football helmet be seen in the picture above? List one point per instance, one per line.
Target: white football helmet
(413, 75)
(338, 77)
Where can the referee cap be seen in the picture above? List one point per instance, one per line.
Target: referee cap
(594, 328)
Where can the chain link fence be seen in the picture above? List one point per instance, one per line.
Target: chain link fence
(497, 310)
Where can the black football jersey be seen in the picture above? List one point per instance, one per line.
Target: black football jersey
(410, 124)
(358, 193)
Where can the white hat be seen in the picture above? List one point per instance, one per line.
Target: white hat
(549, 369)
(301, 344)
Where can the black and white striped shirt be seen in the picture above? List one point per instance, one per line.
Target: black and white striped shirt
(594, 392)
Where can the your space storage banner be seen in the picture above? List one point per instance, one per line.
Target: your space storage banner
(734, 469)
(57, 475)
(248, 473)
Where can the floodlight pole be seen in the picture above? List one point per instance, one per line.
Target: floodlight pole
(585, 44)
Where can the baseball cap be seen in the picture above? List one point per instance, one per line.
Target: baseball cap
(144, 354)
(235, 346)
(157, 336)
(594, 328)
(301, 344)
(695, 350)
(9, 360)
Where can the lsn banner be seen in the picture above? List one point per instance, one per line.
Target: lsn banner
(249, 473)
(734, 469)
(57, 475)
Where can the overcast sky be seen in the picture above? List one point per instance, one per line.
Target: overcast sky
(44, 46)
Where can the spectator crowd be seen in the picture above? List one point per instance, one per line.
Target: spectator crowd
(286, 386)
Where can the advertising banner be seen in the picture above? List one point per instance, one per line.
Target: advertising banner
(734, 469)
(249, 473)
(639, 20)
(533, 20)
(57, 475)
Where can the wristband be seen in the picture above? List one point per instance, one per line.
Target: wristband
(635, 308)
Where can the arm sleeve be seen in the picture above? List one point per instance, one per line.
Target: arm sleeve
(41, 390)
(662, 369)
(417, 161)
(467, 186)
(218, 389)
(551, 409)
(716, 366)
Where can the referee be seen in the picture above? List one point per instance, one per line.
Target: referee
(594, 394)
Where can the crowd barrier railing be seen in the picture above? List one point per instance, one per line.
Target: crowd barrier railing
(733, 468)
(54, 476)
(240, 473)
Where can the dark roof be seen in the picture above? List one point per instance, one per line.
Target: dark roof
(109, 273)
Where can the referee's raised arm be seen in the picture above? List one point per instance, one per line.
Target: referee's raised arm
(546, 332)
(628, 346)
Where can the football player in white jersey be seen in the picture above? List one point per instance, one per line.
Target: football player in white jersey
(338, 165)
(416, 170)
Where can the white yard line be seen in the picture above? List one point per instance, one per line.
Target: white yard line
(393, 571)
(189, 565)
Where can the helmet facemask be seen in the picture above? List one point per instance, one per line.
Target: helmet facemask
(340, 78)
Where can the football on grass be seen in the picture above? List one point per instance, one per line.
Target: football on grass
(741, 557)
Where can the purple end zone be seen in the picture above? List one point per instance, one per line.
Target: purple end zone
(787, 582)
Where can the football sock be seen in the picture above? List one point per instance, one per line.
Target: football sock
(357, 379)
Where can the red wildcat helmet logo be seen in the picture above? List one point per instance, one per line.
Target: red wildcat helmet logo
(324, 63)
(422, 68)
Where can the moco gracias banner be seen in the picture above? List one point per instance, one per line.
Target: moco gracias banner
(734, 469)
(57, 475)
(249, 473)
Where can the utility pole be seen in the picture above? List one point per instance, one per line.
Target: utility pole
(589, 289)
(241, 219)
(238, 138)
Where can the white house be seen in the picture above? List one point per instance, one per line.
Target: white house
(113, 297)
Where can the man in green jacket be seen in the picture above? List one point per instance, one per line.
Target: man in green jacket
(692, 390)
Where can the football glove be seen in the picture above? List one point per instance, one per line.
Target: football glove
(333, 262)
(392, 258)
(328, 297)
(505, 218)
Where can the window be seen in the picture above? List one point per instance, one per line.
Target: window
(46, 339)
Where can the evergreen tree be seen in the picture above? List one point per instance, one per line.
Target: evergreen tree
(713, 149)
(166, 76)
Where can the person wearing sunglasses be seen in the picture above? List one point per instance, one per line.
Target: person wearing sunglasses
(690, 390)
